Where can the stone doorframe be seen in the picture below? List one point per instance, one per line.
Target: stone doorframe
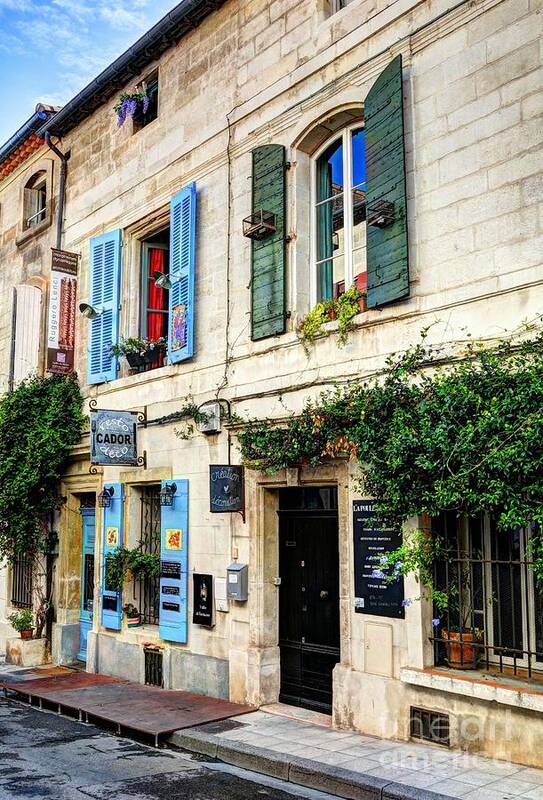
(255, 667)
(76, 481)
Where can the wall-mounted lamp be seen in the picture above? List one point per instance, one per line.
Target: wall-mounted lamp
(104, 498)
(164, 281)
(90, 312)
(166, 494)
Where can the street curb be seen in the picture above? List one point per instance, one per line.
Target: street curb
(300, 771)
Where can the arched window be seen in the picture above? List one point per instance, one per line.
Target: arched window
(35, 200)
(339, 215)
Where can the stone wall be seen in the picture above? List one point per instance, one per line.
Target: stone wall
(258, 72)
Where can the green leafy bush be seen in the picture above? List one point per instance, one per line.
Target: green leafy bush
(39, 421)
(464, 437)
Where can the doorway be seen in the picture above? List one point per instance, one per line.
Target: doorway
(309, 633)
(87, 576)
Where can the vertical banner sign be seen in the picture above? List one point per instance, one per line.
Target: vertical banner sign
(225, 488)
(202, 608)
(61, 321)
(373, 594)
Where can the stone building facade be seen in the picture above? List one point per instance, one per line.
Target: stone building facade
(295, 75)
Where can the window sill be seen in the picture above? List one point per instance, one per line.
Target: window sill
(31, 233)
(523, 694)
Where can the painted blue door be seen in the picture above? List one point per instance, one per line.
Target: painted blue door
(87, 581)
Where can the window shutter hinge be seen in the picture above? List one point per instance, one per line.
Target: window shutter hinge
(288, 164)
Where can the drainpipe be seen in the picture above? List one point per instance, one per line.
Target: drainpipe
(62, 186)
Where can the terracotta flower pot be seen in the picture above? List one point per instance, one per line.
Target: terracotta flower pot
(462, 650)
(27, 634)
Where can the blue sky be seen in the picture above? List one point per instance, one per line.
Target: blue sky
(50, 49)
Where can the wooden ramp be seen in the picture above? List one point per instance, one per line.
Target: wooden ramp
(148, 710)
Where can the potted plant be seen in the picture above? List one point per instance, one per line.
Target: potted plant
(461, 639)
(139, 351)
(22, 621)
(461, 646)
(133, 616)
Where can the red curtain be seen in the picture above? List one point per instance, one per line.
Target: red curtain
(156, 322)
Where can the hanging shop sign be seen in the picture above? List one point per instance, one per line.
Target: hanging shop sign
(61, 319)
(202, 613)
(113, 438)
(373, 593)
(226, 488)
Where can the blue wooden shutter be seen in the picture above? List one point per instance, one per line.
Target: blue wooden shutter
(112, 537)
(105, 281)
(268, 298)
(387, 254)
(174, 553)
(182, 274)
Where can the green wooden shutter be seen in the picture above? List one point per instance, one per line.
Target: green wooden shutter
(387, 255)
(268, 313)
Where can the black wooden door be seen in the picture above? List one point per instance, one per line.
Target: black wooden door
(308, 607)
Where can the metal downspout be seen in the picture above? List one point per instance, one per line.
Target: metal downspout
(62, 185)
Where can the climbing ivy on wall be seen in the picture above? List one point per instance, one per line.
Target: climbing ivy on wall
(466, 436)
(39, 421)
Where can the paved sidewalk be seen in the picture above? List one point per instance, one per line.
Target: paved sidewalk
(356, 766)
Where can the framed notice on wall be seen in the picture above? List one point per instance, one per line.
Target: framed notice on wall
(202, 613)
(373, 594)
(61, 319)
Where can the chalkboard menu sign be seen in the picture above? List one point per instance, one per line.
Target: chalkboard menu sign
(203, 600)
(374, 595)
(170, 569)
(225, 488)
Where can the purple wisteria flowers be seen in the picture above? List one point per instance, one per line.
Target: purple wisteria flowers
(128, 105)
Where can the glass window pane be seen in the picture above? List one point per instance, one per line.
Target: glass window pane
(330, 278)
(330, 171)
(359, 158)
(330, 246)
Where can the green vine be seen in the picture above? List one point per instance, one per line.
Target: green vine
(467, 437)
(39, 421)
(191, 416)
(124, 563)
(344, 309)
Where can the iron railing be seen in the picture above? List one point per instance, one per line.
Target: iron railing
(147, 589)
(21, 582)
(494, 615)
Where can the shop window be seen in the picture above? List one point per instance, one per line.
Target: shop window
(339, 215)
(141, 118)
(494, 619)
(154, 298)
(35, 200)
(147, 589)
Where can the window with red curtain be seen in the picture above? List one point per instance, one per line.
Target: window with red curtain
(156, 313)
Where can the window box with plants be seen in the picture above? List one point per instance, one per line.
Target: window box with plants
(343, 309)
(23, 622)
(139, 351)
